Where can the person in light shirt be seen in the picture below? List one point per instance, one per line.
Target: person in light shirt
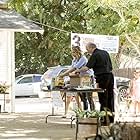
(78, 61)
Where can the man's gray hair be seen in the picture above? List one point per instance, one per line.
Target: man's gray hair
(92, 45)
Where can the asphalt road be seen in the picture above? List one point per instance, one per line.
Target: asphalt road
(32, 104)
(35, 104)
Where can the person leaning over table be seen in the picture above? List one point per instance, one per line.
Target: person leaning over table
(101, 64)
(78, 61)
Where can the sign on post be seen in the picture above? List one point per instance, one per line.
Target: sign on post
(57, 99)
(104, 42)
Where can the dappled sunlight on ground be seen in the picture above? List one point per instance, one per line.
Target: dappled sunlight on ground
(32, 126)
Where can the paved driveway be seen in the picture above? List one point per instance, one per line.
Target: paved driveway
(32, 104)
(32, 126)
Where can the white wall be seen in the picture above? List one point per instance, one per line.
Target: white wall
(3, 57)
(7, 65)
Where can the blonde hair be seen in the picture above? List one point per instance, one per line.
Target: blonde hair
(77, 51)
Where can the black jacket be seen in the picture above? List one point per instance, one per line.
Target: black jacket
(100, 62)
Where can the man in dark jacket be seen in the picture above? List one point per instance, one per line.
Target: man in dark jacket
(101, 64)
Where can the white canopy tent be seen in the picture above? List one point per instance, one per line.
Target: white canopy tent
(11, 22)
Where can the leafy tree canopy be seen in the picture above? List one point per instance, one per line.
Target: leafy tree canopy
(35, 52)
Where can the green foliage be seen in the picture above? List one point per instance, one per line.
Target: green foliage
(35, 52)
(91, 114)
(58, 18)
(116, 17)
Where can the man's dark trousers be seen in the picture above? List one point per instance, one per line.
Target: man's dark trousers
(106, 99)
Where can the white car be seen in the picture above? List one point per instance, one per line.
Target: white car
(27, 85)
(51, 73)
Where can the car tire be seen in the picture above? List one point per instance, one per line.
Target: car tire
(122, 93)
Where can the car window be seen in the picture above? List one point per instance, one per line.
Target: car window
(52, 73)
(63, 71)
(25, 80)
(55, 72)
(48, 73)
(36, 79)
(18, 77)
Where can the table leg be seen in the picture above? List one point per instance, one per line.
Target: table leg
(53, 109)
(65, 96)
(4, 104)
